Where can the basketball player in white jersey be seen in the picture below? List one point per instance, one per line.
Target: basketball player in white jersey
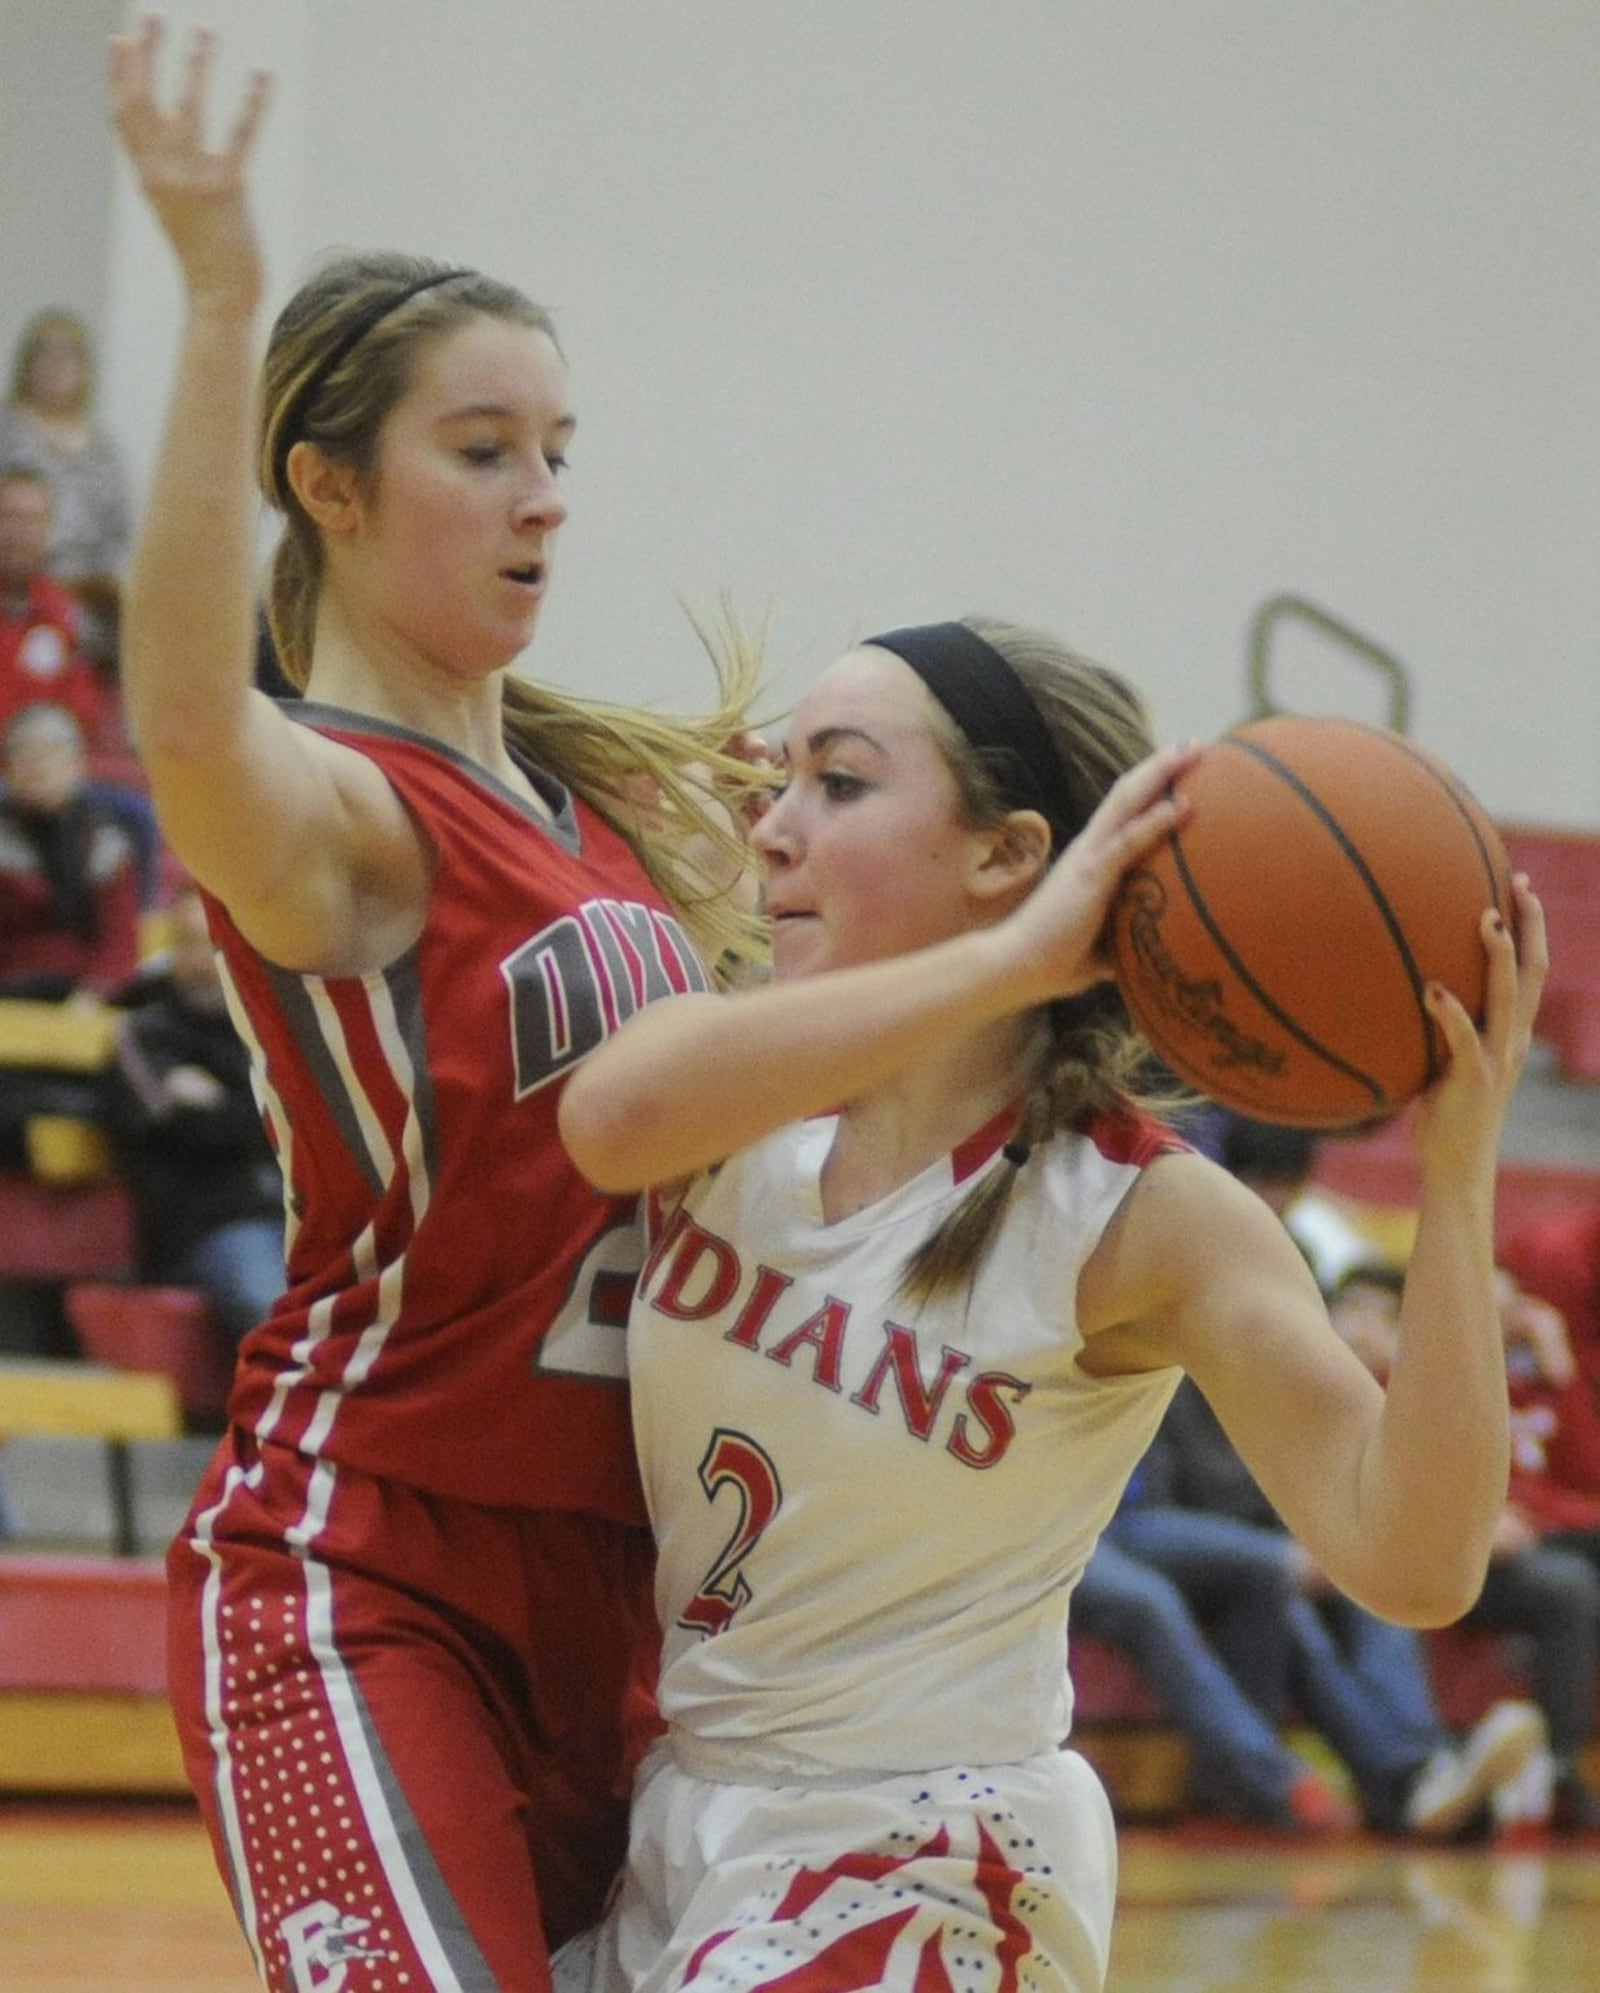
(926, 1282)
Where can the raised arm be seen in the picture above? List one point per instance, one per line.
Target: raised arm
(270, 817)
(688, 1081)
(1395, 1491)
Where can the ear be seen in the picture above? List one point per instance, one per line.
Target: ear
(1011, 857)
(328, 492)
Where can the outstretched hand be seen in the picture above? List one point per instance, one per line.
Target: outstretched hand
(197, 191)
(1462, 1113)
(1059, 927)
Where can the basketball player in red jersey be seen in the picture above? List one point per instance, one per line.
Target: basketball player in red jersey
(412, 1587)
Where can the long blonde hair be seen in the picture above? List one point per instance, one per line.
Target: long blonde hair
(1095, 1060)
(341, 355)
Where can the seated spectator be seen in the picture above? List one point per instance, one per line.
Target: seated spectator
(1198, 1611)
(40, 658)
(1361, 1683)
(1557, 1258)
(41, 623)
(69, 906)
(206, 1189)
(1544, 1572)
(49, 423)
(1277, 1163)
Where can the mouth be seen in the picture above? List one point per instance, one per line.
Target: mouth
(530, 575)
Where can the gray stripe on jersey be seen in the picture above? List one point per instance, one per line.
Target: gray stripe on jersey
(405, 993)
(299, 1013)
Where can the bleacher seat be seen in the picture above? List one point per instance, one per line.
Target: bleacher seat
(164, 1329)
(52, 1232)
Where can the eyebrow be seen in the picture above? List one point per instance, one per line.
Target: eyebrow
(825, 737)
(478, 411)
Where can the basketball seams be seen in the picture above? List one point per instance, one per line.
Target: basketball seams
(1247, 980)
(1380, 900)
(1300, 994)
(1469, 809)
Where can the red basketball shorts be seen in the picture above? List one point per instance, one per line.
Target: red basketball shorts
(406, 1720)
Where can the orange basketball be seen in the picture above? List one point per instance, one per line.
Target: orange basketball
(1275, 950)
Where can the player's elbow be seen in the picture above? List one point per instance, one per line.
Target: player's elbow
(1432, 1592)
(603, 1135)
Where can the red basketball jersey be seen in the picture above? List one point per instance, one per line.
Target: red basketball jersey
(457, 1293)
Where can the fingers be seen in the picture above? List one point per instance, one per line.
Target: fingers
(1532, 940)
(137, 112)
(132, 70)
(1149, 780)
(1142, 806)
(1517, 968)
(196, 74)
(258, 93)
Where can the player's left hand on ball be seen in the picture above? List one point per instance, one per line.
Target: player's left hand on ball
(1483, 1067)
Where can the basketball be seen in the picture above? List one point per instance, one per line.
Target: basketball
(1275, 950)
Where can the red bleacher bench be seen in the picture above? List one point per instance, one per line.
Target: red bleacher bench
(1382, 1169)
(54, 1232)
(167, 1329)
(82, 1623)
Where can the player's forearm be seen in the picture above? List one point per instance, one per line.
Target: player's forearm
(1440, 1468)
(690, 1080)
(188, 636)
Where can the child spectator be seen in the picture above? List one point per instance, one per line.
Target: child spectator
(69, 868)
(41, 653)
(69, 906)
(207, 1193)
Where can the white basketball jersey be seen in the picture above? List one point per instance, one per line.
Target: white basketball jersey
(871, 1514)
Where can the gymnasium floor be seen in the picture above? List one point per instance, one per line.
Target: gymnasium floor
(97, 1897)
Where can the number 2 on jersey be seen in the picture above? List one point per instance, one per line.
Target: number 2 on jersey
(733, 1460)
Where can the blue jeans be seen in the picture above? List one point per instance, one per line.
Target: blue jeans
(239, 1269)
(1235, 1577)
(1550, 1593)
(1239, 1764)
(1363, 1685)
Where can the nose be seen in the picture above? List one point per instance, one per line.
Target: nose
(541, 502)
(772, 835)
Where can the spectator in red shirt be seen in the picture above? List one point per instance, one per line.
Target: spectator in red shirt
(69, 871)
(1544, 1573)
(40, 621)
(69, 908)
(1558, 1259)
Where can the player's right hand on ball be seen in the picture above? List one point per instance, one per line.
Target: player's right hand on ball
(1060, 926)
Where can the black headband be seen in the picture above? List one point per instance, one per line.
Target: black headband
(369, 320)
(980, 690)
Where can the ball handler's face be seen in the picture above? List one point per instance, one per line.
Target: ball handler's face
(866, 849)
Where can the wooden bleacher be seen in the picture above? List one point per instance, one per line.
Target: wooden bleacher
(83, 1705)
